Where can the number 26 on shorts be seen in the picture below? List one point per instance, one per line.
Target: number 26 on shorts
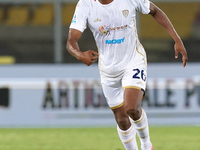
(139, 74)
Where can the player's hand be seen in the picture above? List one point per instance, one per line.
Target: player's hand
(88, 57)
(179, 48)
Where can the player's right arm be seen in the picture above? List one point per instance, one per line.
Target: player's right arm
(87, 57)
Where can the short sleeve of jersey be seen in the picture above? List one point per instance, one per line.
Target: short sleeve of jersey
(143, 6)
(81, 14)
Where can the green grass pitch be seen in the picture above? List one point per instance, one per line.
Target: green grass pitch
(163, 138)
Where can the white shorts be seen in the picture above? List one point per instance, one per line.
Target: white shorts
(134, 76)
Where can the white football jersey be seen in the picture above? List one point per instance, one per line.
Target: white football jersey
(114, 28)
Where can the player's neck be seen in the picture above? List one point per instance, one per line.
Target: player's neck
(105, 1)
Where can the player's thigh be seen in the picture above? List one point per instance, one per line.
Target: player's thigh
(113, 92)
(133, 98)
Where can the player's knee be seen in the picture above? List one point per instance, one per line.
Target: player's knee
(123, 122)
(133, 111)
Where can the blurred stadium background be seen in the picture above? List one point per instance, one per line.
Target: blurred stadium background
(42, 85)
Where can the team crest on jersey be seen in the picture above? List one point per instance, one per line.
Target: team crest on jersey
(125, 13)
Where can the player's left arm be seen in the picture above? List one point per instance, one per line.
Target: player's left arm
(164, 21)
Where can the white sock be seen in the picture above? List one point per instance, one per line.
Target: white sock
(142, 129)
(128, 138)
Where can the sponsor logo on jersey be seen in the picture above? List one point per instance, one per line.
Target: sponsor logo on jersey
(97, 20)
(115, 41)
(74, 19)
(125, 13)
(106, 30)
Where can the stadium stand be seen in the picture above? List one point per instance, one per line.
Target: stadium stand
(30, 27)
(1, 15)
(181, 18)
(67, 13)
(7, 60)
(43, 15)
(17, 16)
